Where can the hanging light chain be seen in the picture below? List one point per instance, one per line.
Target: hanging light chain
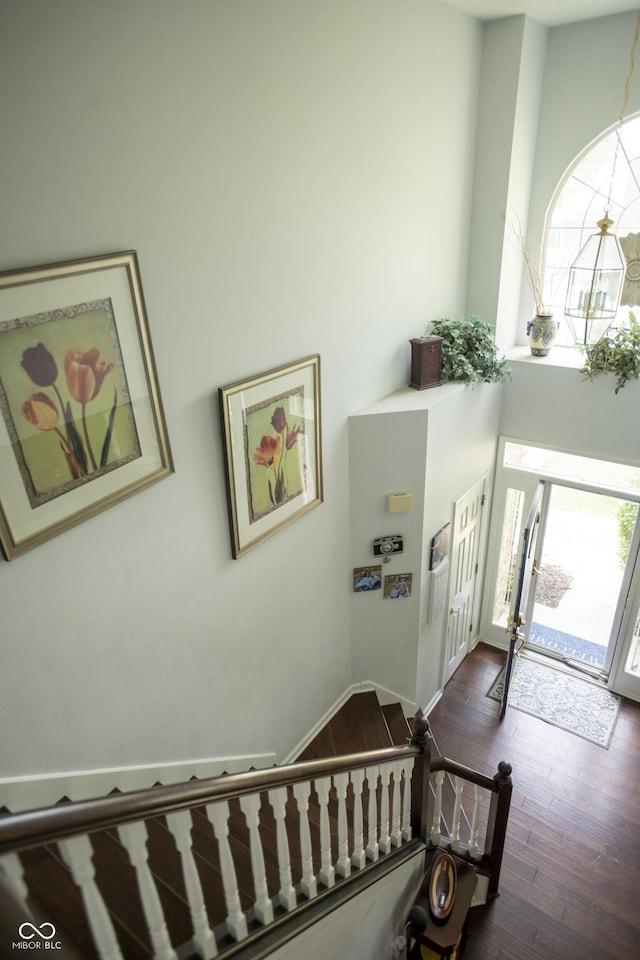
(625, 101)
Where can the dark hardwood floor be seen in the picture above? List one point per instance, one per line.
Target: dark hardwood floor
(570, 882)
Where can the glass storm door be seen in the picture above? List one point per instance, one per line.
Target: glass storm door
(625, 669)
(520, 595)
(574, 613)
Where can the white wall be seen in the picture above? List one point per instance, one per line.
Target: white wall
(553, 406)
(387, 455)
(546, 402)
(366, 927)
(462, 447)
(434, 444)
(296, 178)
(582, 96)
(513, 59)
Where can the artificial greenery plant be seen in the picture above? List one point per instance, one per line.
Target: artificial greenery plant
(469, 351)
(617, 353)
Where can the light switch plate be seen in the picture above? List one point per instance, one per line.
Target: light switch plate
(399, 502)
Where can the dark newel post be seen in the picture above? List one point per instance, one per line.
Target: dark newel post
(497, 825)
(420, 780)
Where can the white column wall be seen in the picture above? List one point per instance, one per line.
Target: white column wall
(434, 444)
(513, 57)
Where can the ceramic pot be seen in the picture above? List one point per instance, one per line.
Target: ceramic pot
(541, 332)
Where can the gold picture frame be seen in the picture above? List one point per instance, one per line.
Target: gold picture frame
(271, 427)
(81, 419)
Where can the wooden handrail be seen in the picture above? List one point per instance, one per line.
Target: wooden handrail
(32, 828)
(459, 770)
(396, 810)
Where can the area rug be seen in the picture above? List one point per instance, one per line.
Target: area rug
(571, 703)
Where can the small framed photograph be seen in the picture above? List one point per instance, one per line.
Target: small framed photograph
(272, 441)
(440, 546)
(367, 578)
(397, 586)
(81, 419)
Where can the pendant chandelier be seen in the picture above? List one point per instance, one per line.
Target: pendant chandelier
(595, 285)
(597, 274)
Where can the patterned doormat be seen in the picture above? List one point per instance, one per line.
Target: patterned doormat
(568, 645)
(572, 703)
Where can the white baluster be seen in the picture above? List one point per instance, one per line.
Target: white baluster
(218, 814)
(385, 836)
(11, 867)
(406, 799)
(359, 856)
(436, 832)
(287, 895)
(396, 811)
(373, 848)
(457, 811)
(478, 793)
(343, 864)
(326, 874)
(77, 853)
(250, 805)
(134, 838)
(308, 884)
(180, 825)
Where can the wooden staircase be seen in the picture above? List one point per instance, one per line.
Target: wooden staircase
(143, 880)
(360, 724)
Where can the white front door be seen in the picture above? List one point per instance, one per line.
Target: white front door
(462, 623)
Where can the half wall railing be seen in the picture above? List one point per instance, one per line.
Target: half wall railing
(251, 851)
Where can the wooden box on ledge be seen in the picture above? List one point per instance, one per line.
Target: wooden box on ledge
(426, 362)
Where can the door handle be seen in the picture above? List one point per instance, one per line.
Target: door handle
(454, 611)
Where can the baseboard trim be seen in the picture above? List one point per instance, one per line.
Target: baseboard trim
(434, 700)
(31, 792)
(496, 644)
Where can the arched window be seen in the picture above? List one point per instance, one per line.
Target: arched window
(581, 200)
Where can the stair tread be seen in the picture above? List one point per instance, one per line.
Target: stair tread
(55, 895)
(117, 881)
(397, 723)
(358, 725)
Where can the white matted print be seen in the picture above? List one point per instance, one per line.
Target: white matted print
(272, 439)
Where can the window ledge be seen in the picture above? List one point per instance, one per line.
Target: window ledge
(570, 357)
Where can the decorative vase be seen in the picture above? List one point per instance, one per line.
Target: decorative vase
(541, 332)
(426, 362)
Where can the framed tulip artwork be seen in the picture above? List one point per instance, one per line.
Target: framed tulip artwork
(272, 439)
(81, 420)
